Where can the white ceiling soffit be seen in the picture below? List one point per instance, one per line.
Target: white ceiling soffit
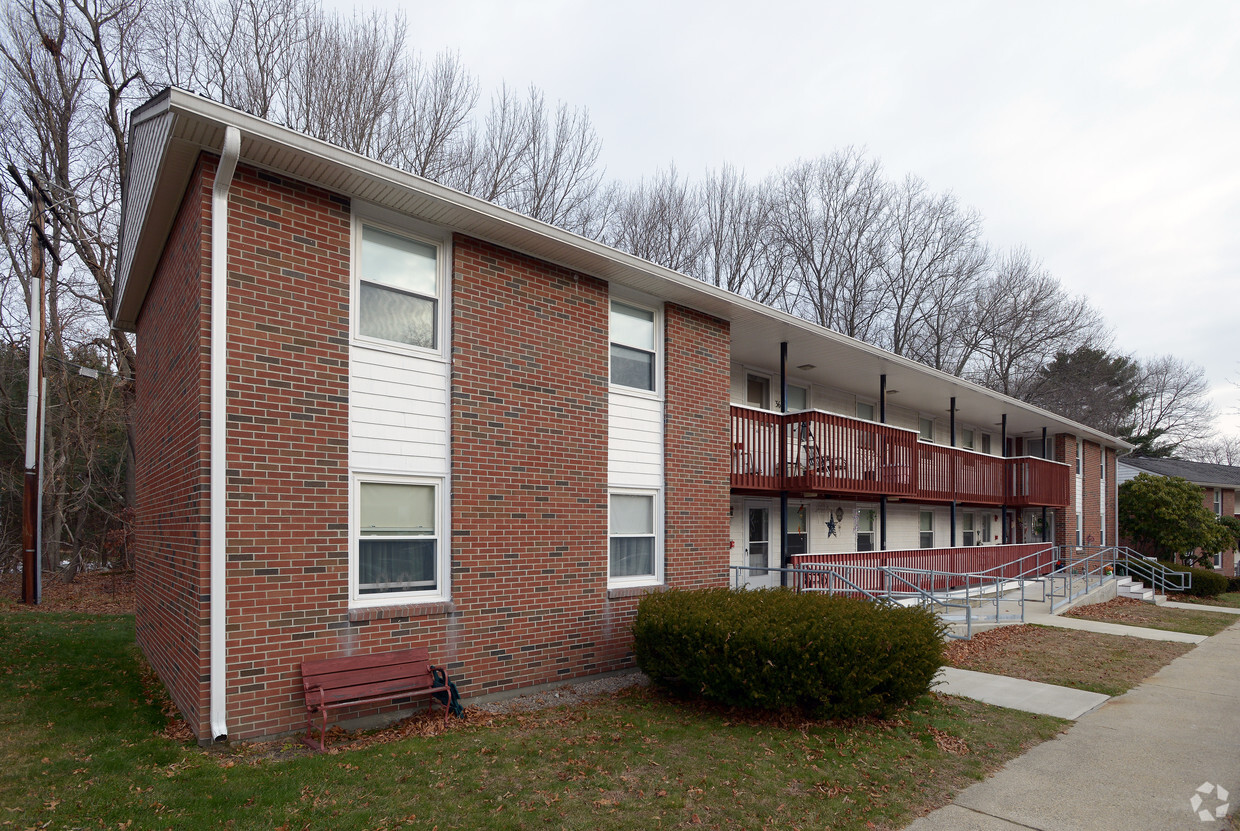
(198, 124)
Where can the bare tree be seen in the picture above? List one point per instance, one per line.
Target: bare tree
(1026, 318)
(830, 218)
(1220, 450)
(659, 221)
(1174, 408)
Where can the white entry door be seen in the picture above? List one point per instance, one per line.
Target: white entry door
(758, 548)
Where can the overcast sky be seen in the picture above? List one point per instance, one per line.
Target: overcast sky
(1104, 136)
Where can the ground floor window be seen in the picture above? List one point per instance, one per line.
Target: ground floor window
(926, 527)
(396, 546)
(865, 530)
(633, 538)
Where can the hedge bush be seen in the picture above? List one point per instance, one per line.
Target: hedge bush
(774, 649)
(1206, 583)
(1233, 584)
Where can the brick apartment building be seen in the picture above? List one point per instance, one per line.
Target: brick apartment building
(1219, 485)
(374, 412)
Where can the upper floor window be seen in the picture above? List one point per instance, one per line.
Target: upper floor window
(1080, 457)
(865, 411)
(925, 429)
(966, 438)
(398, 291)
(986, 443)
(758, 391)
(1035, 448)
(633, 346)
(1218, 501)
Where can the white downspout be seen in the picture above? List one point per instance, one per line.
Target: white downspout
(219, 419)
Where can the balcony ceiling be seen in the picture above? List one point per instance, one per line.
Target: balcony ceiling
(169, 132)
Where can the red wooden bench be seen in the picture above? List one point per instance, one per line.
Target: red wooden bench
(333, 683)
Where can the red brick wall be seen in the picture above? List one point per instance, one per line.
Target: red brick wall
(288, 364)
(1065, 520)
(530, 603)
(697, 442)
(170, 413)
(529, 474)
(1091, 502)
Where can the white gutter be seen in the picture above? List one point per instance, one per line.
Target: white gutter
(219, 419)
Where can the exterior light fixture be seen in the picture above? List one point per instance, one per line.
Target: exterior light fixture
(807, 367)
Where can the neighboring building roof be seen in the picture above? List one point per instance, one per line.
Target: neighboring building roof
(1199, 473)
(168, 132)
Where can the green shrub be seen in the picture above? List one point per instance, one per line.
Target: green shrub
(1233, 584)
(774, 649)
(1206, 583)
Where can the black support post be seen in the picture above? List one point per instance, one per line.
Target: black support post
(784, 559)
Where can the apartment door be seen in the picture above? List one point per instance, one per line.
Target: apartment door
(758, 546)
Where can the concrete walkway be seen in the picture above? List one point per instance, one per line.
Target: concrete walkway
(1134, 763)
(1017, 693)
(1199, 607)
(1113, 628)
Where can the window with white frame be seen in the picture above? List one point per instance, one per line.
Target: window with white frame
(1034, 447)
(925, 522)
(966, 438)
(865, 411)
(396, 547)
(634, 348)
(1080, 457)
(986, 443)
(1080, 530)
(865, 530)
(633, 539)
(968, 532)
(398, 289)
(1218, 501)
(925, 429)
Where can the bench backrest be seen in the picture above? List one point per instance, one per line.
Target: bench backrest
(365, 676)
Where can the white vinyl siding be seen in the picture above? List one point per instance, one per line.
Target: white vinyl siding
(398, 412)
(634, 442)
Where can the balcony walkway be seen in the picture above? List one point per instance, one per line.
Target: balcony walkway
(814, 451)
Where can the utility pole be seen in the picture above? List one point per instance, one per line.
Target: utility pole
(32, 491)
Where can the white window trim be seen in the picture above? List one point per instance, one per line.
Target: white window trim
(402, 226)
(644, 579)
(934, 428)
(746, 371)
(657, 393)
(443, 592)
(873, 403)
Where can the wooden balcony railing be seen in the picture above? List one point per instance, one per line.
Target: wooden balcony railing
(817, 451)
(1036, 482)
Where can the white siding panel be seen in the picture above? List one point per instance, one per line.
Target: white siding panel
(398, 412)
(634, 442)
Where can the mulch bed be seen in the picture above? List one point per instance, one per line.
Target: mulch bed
(1119, 610)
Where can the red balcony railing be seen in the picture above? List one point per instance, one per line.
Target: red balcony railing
(1035, 482)
(846, 455)
(816, 451)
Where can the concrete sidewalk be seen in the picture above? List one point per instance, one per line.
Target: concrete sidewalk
(1017, 693)
(1134, 763)
(1200, 607)
(1102, 626)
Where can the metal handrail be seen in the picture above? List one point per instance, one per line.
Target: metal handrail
(1159, 576)
(810, 579)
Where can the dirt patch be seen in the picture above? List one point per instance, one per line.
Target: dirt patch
(1120, 610)
(91, 593)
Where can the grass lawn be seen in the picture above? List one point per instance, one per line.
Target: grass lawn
(1137, 613)
(84, 744)
(1108, 664)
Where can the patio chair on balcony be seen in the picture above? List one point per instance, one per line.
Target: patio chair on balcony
(810, 458)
